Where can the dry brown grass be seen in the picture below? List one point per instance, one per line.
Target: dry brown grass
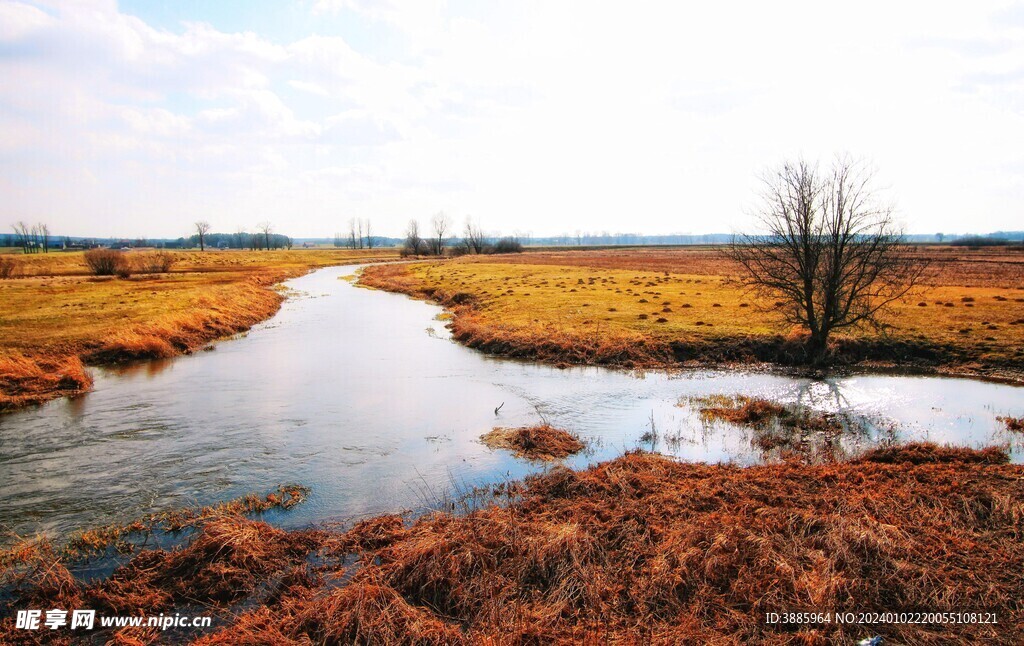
(1013, 423)
(542, 442)
(742, 410)
(58, 316)
(639, 549)
(97, 540)
(9, 267)
(953, 266)
(788, 431)
(25, 380)
(654, 308)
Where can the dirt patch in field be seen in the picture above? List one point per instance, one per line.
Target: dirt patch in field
(541, 442)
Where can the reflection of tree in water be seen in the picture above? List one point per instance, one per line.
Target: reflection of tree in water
(815, 424)
(859, 431)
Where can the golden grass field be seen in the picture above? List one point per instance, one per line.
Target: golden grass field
(654, 307)
(57, 316)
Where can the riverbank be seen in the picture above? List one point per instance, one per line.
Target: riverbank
(640, 548)
(684, 307)
(57, 318)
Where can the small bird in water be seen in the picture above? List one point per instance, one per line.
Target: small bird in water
(871, 641)
(498, 408)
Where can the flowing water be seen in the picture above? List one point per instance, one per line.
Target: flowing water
(362, 395)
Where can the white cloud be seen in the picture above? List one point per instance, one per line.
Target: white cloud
(535, 116)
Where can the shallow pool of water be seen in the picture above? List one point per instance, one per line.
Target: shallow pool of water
(362, 395)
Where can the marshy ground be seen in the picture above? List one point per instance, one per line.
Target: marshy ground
(641, 548)
(646, 307)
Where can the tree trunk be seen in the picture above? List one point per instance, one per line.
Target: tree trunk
(817, 347)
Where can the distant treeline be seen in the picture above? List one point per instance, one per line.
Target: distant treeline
(240, 240)
(278, 241)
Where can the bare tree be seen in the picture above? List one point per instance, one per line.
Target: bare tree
(352, 233)
(473, 237)
(240, 237)
(202, 228)
(23, 233)
(366, 230)
(830, 253)
(44, 233)
(413, 242)
(441, 223)
(266, 228)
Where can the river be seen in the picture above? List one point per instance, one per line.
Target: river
(362, 395)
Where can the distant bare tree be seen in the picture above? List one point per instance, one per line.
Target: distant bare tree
(413, 242)
(473, 237)
(240, 235)
(44, 233)
(352, 233)
(366, 231)
(266, 228)
(24, 235)
(202, 228)
(830, 251)
(441, 223)
(21, 235)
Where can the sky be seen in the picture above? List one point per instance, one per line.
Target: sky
(138, 118)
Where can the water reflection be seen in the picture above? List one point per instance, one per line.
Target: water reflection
(346, 391)
(148, 369)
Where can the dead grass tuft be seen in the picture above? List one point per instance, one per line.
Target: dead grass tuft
(745, 411)
(26, 380)
(542, 442)
(1013, 423)
(9, 267)
(228, 559)
(794, 431)
(96, 541)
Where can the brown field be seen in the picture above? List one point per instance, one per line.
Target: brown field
(664, 307)
(641, 549)
(57, 316)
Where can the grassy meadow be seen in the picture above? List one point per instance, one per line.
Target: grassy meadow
(56, 316)
(655, 307)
